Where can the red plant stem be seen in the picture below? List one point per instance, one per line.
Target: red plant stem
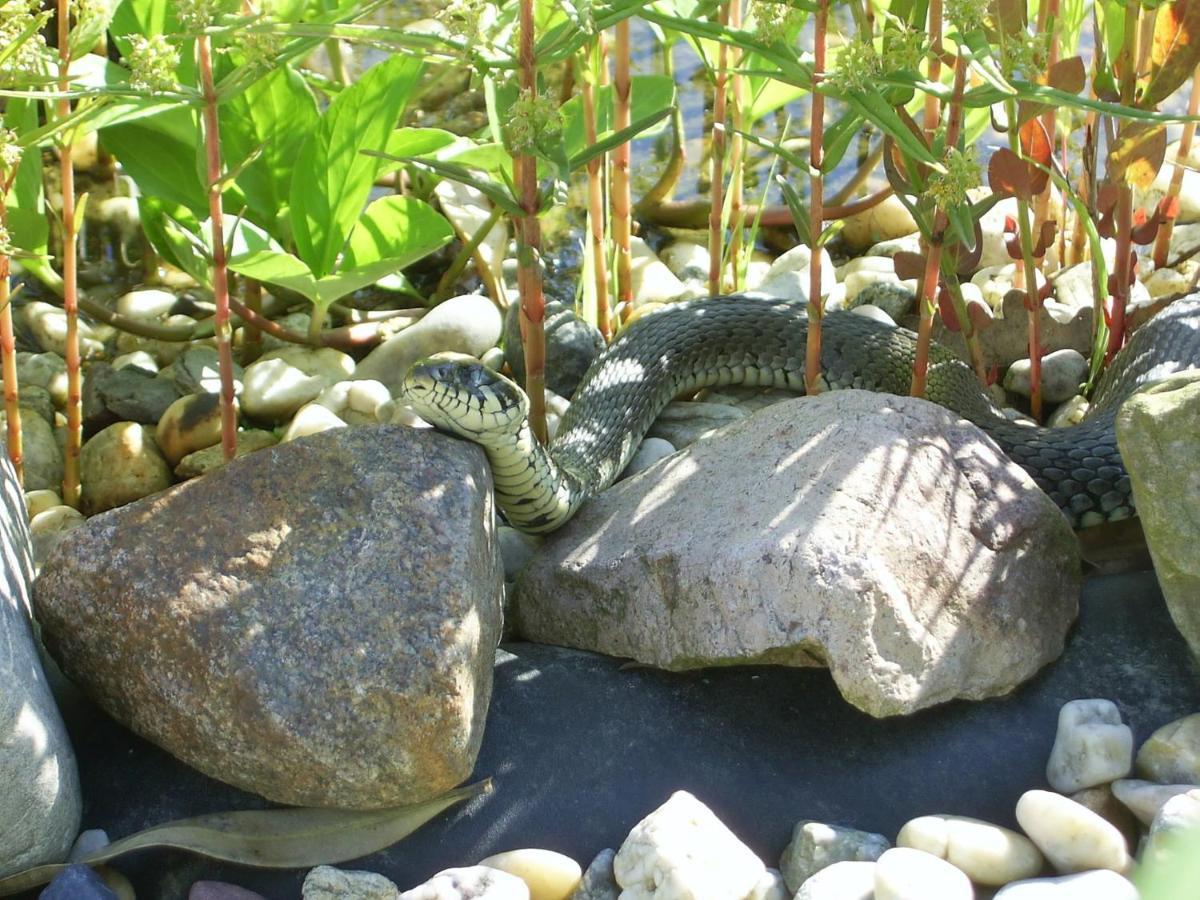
(816, 304)
(1162, 240)
(926, 301)
(1123, 275)
(529, 237)
(596, 197)
(212, 147)
(1047, 19)
(622, 199)
(8, 358)
(716, 234)
(932, 109)
(737, 143)
(74, 443)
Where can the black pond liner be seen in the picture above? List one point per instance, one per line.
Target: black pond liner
(581, 748)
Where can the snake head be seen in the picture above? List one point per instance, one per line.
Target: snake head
(465, 398)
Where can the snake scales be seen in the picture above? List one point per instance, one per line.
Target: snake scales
(759, 341)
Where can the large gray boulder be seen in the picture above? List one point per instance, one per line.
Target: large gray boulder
(315, 622)
(1158, 431)
(39, 785)
(877, 535)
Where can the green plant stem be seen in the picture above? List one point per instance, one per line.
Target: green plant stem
(220, 273)
(468, 251)
(529, 264)
(716, 230)
(622, 204)
(816, 216)
(1162, 240)
(74, 443)
(593, 62)
(669, 178)
(8, 360)
(1047, 22)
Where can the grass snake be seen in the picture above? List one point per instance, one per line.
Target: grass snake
(753, 340)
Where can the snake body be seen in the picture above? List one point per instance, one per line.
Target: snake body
(751, 340)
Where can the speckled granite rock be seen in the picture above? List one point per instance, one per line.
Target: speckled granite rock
(325, 632)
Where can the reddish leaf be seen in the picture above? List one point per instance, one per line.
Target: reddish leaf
(1175, 52)
(946, 307)
(908, 265)
(1067, 75)
(1168, 207)
(1045, 238)
(1008, 175)
(980, 314)
(993, 374)
(1037, 147)
(1010, 17)
(1138, 153)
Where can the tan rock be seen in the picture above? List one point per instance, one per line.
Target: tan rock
(119, 465)
(200, 462)
(191, 423)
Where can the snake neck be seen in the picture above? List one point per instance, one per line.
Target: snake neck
(536, 494)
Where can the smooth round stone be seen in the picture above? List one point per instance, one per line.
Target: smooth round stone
(988, 854)
(119, 465)
(1180, 812)
(221, 890)
(493, 358)
(45, 370)
(49, 527)
(89, 841)
(571, 344)
(599, 882)
(548, 875)
(885, 221)
(1093, 746)
(37, 501)
(328, 883)
(1101, 884)
(469, 883)
(1145, 798)
(906, 874)
(652, 449)
(77, 883)
(689, 261)
(1062, 373)
(1172, 754)
(138, 359)
(146, 304)
(164, 352)
(789, 276)
(1166, 281)
(770, 887)
(815, 846)
(684, 422)
(996, 281)
(895, 298)
(848, 880)
(36, 400)
(363, 402)
(43, 461)
(198, 371)
(1069, 412)
(282, 381)
(1071, 836)
(191, 423)
(650, 279)
(1101, 800)
(870, 311)
(48, 324)
(312, 418)
(203, 461)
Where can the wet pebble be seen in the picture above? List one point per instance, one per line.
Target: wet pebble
(1062, 373)
(816, 845)
(1071, 836)
(1092, 746)
(906, 874)
(1101, 884)
(282, 381)
(988, 854)
(88, 841)
(1145, 798)
(847, 880)
(311, 418)
(652, 449)
(548, 875)
(470, 883)
(37, 501)
(191, 423)
(1172, 754)
(119, 465)
(328, 883)
(599, 882)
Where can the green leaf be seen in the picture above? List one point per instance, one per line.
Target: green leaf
(871, 105)
(837, 138)
(89, 31)
(498, 194)
(278, 268)
(399, 229)
(651, 94)
(276, 113)
(617, 138)
(159, 153)
(1175, 51)
(149, 18)
(333, 177)
(271, 838)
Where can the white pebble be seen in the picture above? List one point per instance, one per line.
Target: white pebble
(770, 887)
(548, 875)
(1172, 754)
(682, 851)
(1070, 835)
(906, 874)
(1097, 885)
(1093, 746)
(652, 449)
(478, 882)
(1145, 798)
(988, 854)
(312, 418)
(846, 880)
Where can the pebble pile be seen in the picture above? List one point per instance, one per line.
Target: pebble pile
(1078, 844)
